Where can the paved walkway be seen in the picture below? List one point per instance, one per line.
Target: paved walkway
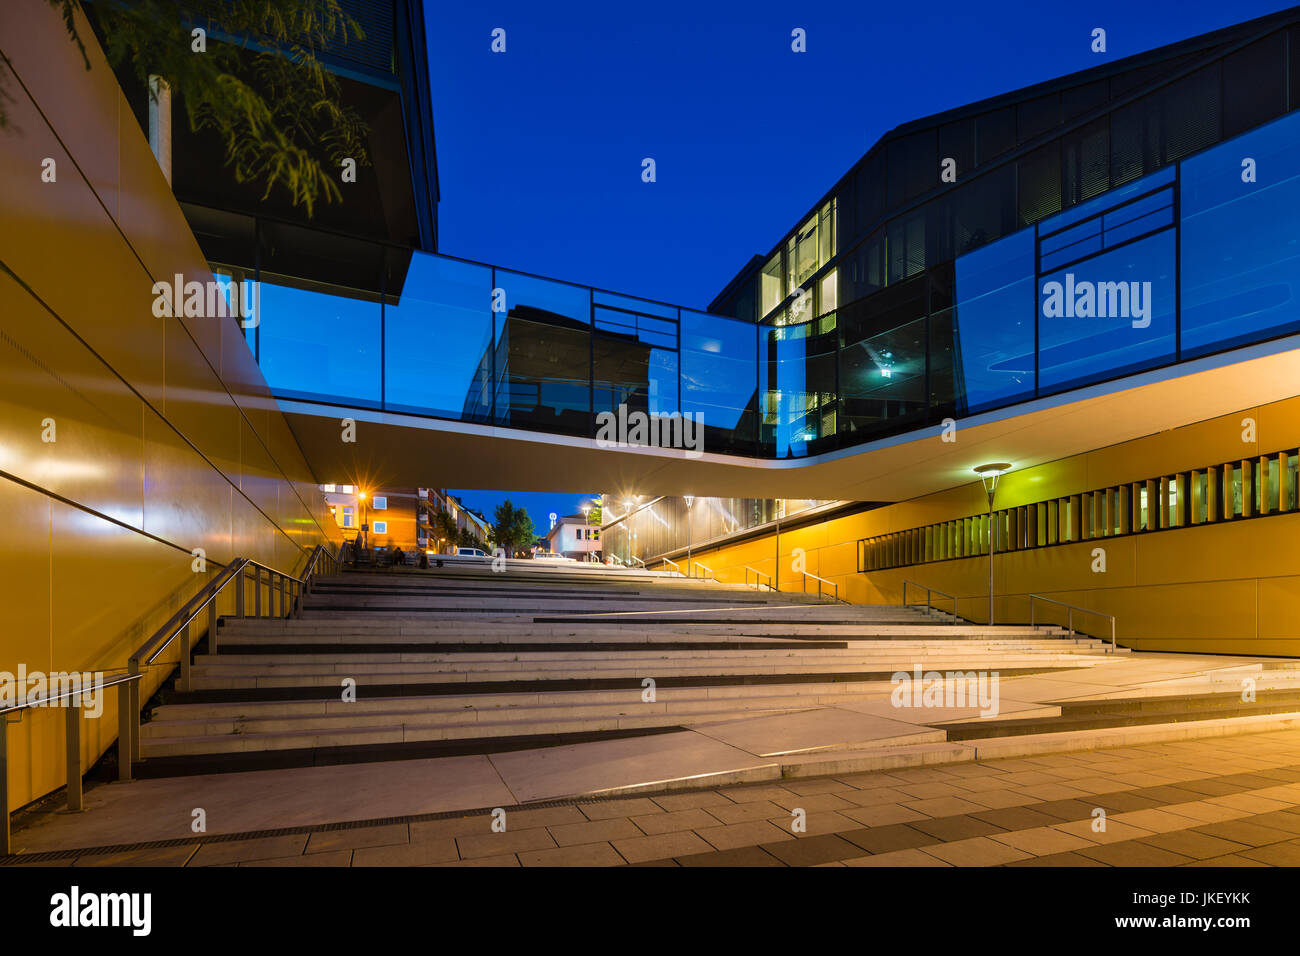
(1231, 801)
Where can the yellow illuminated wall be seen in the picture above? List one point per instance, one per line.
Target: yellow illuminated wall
(165, 438)
(1229, 588)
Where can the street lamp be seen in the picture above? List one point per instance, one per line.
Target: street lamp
(361, 500)
(989, 474)
(690, 500)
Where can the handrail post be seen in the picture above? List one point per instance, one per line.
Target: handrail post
(284, 592)
(212, 624)
(124, 729)
(5, 847)
(240, 584)
(73, 742)
(257, 591)
(1031, 610)
(185, 658)
(1112, 633)
(135, 711)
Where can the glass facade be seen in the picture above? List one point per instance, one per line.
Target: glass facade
(1131, 241)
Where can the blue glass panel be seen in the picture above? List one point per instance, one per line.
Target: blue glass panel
(1132, 228)
(1089, 245)
(321, 342)
(1108, 316)
(1240, 243)
(438, 340)
(995, 324)
(635, 362)
(720, 378)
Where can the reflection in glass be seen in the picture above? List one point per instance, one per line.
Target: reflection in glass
(720, 379)
(1247, 287)
(994, 347)
(319, 341)
(437, 340)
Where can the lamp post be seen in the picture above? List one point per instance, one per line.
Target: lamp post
(365, 536)
(989, 475)
(690, 500)
(586, 532)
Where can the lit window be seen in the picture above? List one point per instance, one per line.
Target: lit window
(380, 503)
(381, 527)
(348, 489)
(348, 518)
(327, 488)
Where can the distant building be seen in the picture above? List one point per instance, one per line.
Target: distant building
(388, 516)
(573, 537)
(433, 500)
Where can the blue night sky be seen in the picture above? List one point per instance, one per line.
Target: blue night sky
(540, 148)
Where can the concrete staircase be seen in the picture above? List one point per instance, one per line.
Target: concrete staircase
(461, 660)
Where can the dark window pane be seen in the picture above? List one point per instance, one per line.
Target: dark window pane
(1037, 116)
(1078, 100)
(1040, 183)
(1254, 84)
(1086, 160)
(957, 141)
(995, 134)
(913, 166)
(1165, 125)
(862, 270)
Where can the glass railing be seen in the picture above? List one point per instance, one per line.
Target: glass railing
(1200, 257)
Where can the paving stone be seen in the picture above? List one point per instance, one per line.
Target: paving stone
(978, 851)
(145, 856)
(1279, 820)
(818, 849)
(1015, 818)
(325, 858)
(1243, 831)
(1057, 859)
(1115, 831)
(943, 806)
(424, 853)
(541, 817)
(883, 815)
(887, 839)
(451, 828)
(960, 827)
(240, 851)
(505, 859)
(1198, 846)
(1230, 859)
(583, 854)
(323, 841)
(751, 833)
(1067, 810)
(595, 831)
(910, 857)
(741, 856)
(1133, 853)
(607, 809)
(1041, 841)
(740, 812)
(670, 822)
(813, 802)
(661, 846)
(810, 787)
(692, 801)
(500, 844)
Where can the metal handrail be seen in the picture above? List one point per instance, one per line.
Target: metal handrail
(820, 582)
(1069, 615)
(637, 560)
(676, 567)
(928, 591)
(285, 594)
(711, 576)
(758, 575)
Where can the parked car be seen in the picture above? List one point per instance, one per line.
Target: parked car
(471, 553)
(550, 556)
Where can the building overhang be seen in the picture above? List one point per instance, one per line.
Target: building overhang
(394, 449)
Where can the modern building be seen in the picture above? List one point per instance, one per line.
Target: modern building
(431, 502)
(1093, 280)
